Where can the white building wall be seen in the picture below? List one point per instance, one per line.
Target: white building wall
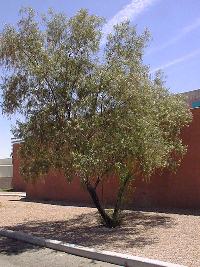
(6, 167)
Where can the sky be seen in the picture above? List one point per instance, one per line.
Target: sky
(174, 48)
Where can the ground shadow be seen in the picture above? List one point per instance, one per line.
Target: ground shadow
(84, 230)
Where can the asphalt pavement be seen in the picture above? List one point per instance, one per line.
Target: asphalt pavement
(20, 254)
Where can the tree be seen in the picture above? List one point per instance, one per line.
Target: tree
(88, 112)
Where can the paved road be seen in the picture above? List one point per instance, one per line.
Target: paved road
(19, 254)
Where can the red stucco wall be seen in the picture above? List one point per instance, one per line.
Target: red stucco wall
(55, 187)
(180, 190)
(17, 182)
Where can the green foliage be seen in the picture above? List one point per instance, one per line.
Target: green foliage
(88, 112)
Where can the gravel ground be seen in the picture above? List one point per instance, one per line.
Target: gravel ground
(168, 236)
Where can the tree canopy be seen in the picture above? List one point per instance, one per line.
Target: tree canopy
(88, 110)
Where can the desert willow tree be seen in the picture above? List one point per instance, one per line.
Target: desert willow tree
(88, 111)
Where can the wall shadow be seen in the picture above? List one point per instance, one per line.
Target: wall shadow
(54, 203)
(179, 211)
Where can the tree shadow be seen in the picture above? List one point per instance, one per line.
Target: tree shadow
(13, 247)
(85, 230)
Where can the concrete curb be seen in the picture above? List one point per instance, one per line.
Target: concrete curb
(12, 194)
(90, 253)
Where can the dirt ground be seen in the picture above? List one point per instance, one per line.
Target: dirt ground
(172, 236)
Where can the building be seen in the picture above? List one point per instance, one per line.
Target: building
(193, 98)
(6, 173)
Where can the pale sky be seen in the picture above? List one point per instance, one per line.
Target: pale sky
(174, 25)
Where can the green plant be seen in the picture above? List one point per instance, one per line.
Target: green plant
(88, 112)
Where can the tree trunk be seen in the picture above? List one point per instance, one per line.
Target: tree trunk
(120, 196)
(106, 218)
(110, 222)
